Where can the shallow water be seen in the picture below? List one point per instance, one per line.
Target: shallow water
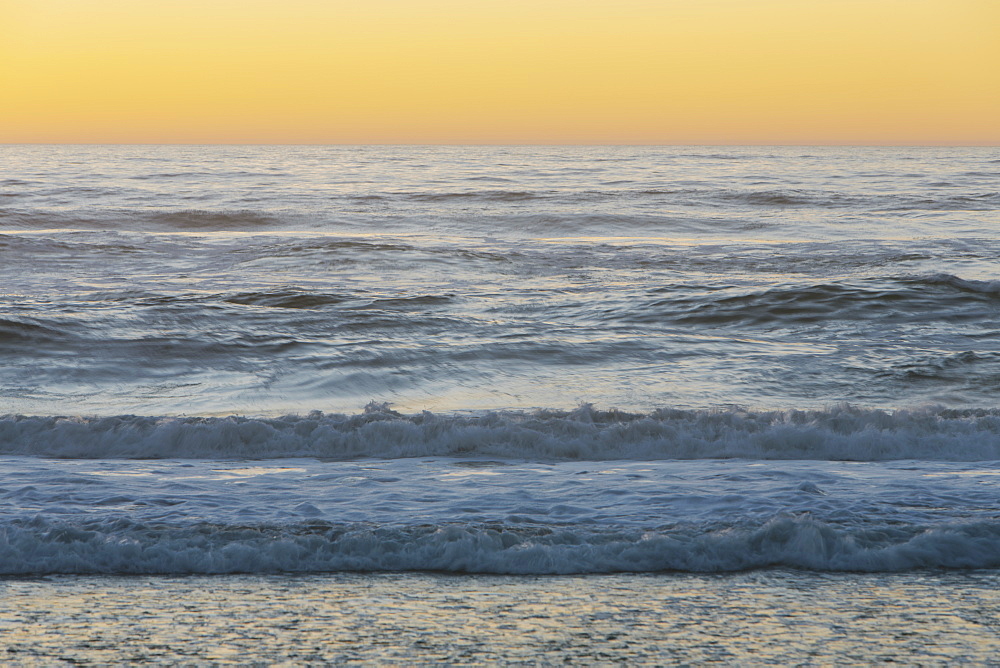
(494, 516)
(760, 618)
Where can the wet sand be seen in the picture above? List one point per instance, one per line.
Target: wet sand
(756, 618)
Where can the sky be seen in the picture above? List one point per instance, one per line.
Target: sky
(895, 72)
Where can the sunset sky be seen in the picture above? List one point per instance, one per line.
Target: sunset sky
(501, 71)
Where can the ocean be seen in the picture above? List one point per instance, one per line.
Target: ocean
(401, 404)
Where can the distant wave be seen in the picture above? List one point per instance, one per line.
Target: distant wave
(556, 203)
(119, 546)
(180, 219)
(987, 288)
(208, 174)
(286, 299)
(487, 195)
(944, 368)
(26, 332)
(934, 297)
(833, 199)
(840, 433)
(296, 299)
(196, 219)
(976, 202)
(723, 196)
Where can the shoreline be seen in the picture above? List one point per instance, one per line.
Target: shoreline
(774, 616)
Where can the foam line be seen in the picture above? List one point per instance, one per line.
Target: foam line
(842, 433)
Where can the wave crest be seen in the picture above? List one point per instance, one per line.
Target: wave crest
(906, 298)
(120, 546)
(842, 433)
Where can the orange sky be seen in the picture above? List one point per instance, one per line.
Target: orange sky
(501, 71)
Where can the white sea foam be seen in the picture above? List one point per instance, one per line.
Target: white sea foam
(492, 516)
(123, 547)
(839, 433)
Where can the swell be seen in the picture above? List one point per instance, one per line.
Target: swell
(119, 546)
(840, 434)
(957, 367)
(26, 331)
(765, 198)
(286, 299)
(143, 219)
(298, 299)
(906, 298)
(481, 195)
(828, 199)
(342, 209)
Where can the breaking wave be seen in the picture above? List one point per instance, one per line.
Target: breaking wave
(121, 546)
(842, 433)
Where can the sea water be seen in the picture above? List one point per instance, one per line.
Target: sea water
(679, 365)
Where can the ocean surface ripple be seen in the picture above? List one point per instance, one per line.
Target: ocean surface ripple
(529, 360)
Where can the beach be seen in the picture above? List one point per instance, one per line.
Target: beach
(759, 618)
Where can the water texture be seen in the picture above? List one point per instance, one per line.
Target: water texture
(503, 360)
(751, 619)
(275, 280)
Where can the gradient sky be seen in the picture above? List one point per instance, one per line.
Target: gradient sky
(501, 71)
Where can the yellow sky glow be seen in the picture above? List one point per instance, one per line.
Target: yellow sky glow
(501, 71)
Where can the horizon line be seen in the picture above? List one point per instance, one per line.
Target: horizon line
(516, 144)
